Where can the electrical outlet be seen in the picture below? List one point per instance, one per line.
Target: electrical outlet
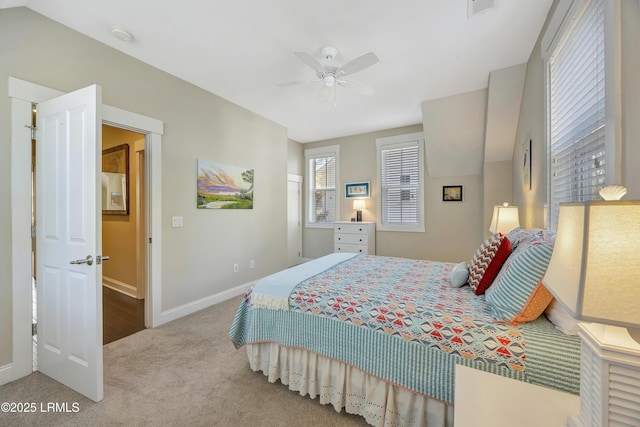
(236, 267)
(252, 264)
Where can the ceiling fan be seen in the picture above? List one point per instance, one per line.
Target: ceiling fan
(331, 76)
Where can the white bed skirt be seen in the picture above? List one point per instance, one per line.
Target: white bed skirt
(344, 386)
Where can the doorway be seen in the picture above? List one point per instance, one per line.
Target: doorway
(123, 231)
(123, 276)
(23, 94)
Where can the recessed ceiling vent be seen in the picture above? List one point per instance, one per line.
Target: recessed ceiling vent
(477, 7)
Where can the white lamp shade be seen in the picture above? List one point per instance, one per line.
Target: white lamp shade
(359, 205)
(505, 218)
(595, 266)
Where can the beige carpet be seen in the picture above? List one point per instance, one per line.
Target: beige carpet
(186, 372)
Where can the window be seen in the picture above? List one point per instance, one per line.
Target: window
(401, 183)
(322, 190)
(576, 99)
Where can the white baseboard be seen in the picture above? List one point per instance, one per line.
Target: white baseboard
(192, 307)
(6, 374)
(119, 286)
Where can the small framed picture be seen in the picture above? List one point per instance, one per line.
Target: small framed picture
(358, 189)
(452, 193)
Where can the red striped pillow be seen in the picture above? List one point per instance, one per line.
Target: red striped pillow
(487, 261)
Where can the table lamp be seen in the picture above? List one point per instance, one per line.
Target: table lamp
(505, 218)
(594, 273)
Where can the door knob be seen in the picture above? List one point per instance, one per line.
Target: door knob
(88, 260)
(102, 258)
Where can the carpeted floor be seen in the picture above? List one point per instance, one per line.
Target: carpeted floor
(186, 372)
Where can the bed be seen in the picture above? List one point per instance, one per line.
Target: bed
(381, 336)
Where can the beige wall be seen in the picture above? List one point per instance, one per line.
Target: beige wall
(498, 188)
(531, 123)
(295, 162)
(452, 229)
(197, 259)
(119, 231)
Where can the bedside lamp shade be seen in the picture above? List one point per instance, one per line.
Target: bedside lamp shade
(359, 205)
(505, 218)
(594, 269)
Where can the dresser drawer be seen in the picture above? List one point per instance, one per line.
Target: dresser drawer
(341, 247)
(355, 239)
(350, 228)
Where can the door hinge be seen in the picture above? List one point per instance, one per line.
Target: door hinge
(33, 130)
(34, 329)
(33, 231)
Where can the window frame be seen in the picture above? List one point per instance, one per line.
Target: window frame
(561, 22)
(315, 153)
(400, 141)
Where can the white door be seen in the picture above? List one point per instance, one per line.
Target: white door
(294, 223)
(68, 218)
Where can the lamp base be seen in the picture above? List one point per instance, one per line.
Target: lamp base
(359, 216)
(609, 375)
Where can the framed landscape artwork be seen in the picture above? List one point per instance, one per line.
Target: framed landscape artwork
(223, 186)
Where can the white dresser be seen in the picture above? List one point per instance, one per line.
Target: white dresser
(359, 237)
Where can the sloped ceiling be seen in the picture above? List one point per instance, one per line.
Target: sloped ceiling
(241, 50)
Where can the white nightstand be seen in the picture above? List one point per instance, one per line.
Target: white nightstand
(484, 399)
(609, 377)
(358, 237)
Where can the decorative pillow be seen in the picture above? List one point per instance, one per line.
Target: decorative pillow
(487, 261)
(535, 305)
(459, 275)
(561, 318)
(520, 276)
(516, 235)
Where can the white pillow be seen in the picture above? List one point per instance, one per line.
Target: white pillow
(459, 275)
(561, 318)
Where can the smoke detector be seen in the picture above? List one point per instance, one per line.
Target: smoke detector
(121, 34)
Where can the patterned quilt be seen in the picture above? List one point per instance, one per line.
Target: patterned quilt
(400, 320)
(390, 295)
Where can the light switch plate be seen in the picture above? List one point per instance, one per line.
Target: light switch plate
(176, 221)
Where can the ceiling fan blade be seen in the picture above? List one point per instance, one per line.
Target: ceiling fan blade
(310, 61)
(356, 86)
(297, 82)
(360, 63)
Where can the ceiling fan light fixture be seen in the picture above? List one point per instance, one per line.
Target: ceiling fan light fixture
(329, 80)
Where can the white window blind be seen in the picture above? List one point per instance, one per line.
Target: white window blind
(401, 183)
(322, 178)
(576, 83)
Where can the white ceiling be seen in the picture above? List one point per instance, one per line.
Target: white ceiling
(241, 49)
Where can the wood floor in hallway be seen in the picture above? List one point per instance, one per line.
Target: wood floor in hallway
(122, 315)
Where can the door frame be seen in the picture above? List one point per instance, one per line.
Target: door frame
(22, 95)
